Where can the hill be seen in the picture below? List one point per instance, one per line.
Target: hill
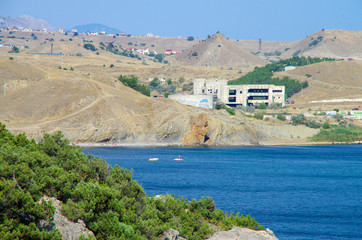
(218, 51)
(328, 81)
(331, 43)
(96, 27)
(25, 22)
(89, 104)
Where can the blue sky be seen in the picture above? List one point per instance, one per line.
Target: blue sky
(252, 19)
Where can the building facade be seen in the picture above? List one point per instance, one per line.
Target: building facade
(240, 95)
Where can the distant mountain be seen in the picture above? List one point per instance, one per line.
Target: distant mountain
(25, 22)
(328, 43)
(217, 50)
(95, 27)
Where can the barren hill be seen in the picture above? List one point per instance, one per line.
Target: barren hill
(218, 51)
(331, 43)
(328, 81)
(90, 105)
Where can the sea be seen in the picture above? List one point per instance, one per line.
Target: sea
(299, 192)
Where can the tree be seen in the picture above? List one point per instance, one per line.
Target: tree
(155, 82)
(190, 38)
(159, 57)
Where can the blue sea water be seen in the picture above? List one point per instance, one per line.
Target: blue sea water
(300, 192)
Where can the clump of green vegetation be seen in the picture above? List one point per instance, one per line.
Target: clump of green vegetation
(132, 82)
(264, 75)
(107, 199)
(281, 117)
(14, 49)
(259, 115)
(220, 105)
(312, 124)
(90, 46)
(339, 134)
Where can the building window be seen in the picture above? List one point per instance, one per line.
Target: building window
(232, 99)
(232, 92)
(256, 90)
(277, 90)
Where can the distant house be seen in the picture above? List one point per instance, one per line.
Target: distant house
(74, 30)
(144, 50)
(168, 52)
(61, 30)
(150, 35)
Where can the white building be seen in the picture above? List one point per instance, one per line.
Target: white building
(240, 95)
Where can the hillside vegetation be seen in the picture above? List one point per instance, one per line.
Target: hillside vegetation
(264, 75)
(107, 199)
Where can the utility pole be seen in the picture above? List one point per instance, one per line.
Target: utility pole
(4, 88)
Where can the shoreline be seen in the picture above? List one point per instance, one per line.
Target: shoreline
(261, 144)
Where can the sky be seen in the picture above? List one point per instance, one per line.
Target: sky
(281, 20)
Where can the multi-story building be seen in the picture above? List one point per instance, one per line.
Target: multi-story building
(240, 95)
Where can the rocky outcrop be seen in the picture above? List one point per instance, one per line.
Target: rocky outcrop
(197, 134)
(69, 230)
(172, 235)
(244, 234)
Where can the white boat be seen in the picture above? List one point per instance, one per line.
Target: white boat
(178, 158)
(153, 159)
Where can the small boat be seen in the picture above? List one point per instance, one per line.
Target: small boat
(178, 158)
(153, 159)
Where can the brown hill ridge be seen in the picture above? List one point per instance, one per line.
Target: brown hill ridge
(332, 43)
(218, 51)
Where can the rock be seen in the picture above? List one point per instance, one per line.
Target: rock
(238, 233)
(69, 230)
(171, 235)
(197, 134)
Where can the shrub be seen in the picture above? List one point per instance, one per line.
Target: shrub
(262, 106)
(312, 124)
(299, 119)
(230, 110)
(281, 117)
(132, 82)
(326, 125)
(259, 115)
(111, 66)
(11, 58)
(190, 38)
(90, 46)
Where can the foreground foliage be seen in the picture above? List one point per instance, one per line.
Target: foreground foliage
(339, 134)
(107, 199)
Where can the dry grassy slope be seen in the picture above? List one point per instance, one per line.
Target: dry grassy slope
(333, 43)
(328, 80)
(94, 107)
(218, 51)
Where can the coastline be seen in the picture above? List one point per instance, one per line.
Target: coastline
(261, 144)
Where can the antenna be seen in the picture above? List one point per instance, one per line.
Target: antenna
(260, 44)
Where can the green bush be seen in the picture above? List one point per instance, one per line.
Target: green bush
(312, 124)
(259, 115)
(339, 134)
(132, 82)
(230, 110)
(262, 106)
(326, 125)
(107, 199)
(281, 117)
(90, 46)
